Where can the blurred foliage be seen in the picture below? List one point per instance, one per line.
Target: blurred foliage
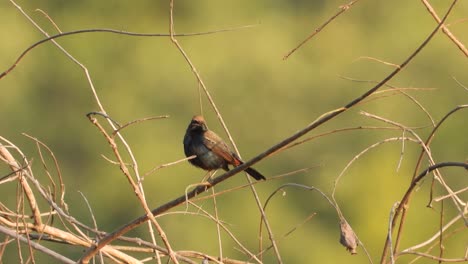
(262, 98)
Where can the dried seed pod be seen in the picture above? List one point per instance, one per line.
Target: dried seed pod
(348, 238)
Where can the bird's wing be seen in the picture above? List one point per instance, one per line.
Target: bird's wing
(216, 144)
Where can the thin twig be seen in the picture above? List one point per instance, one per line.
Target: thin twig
(167, 165)
(402, 150)
(438, 199)
(426, 150)
(57, 168)
(459, 83)
(433, 238)
(113, 31)
(139, 121)
(93, 218)
(379, 60)
(8, 177)
(389, 230)
(218, 227)
(464, 259)
(343, 8)
(277, 177)
(441, 237)
(400, 91)
(280, 188)
(445, 29)
(36, 246)
(293, 229)
(244, 249)
(357, 156)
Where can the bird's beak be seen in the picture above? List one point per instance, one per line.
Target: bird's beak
(195, 125)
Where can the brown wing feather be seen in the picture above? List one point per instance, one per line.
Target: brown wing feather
(216, 144)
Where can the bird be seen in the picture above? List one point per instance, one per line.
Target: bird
(211, 151)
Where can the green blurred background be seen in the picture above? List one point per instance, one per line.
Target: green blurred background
(262, 98)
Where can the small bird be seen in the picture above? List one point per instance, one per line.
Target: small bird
(211, 151)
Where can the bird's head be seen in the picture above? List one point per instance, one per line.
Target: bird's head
(197, 124)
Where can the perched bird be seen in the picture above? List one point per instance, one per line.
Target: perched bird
(211, 151)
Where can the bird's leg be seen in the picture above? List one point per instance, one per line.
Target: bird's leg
(207, 177)
(205, 182)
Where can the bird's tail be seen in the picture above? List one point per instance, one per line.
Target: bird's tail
(257, 175)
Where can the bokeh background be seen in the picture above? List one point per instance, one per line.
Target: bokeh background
(262, 98)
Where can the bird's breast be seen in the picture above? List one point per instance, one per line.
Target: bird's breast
(206, 159)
